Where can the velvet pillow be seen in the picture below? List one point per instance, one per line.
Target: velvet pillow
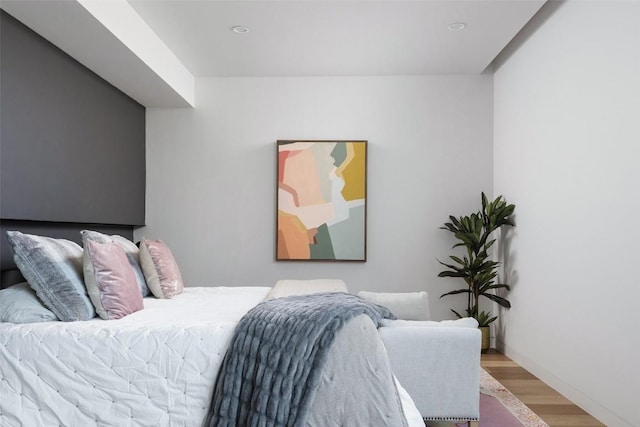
(19, 304)
(53, 269)
(110, 280)
(160, 269)
(130, 248)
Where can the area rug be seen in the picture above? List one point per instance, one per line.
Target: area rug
(499, 408)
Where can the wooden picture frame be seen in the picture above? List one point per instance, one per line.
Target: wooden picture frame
(321, 200)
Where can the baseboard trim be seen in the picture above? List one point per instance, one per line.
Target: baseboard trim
(594, 408)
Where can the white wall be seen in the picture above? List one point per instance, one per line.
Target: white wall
(566, 152)
(211, 178)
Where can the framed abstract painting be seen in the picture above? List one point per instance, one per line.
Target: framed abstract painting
(321, 201)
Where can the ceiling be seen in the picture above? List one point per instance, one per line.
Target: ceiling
(311, 38)
(285, 38)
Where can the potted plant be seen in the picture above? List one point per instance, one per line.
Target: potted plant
(476, 267)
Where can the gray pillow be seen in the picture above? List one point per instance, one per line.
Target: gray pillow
(19, 304)
(53, 268)
(130, 248)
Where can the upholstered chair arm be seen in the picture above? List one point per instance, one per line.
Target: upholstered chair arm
(439, 366)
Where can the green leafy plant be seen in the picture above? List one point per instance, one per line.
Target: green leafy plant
(484, 318)
(476, 267)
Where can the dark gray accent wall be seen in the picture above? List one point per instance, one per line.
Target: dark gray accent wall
(72, 146)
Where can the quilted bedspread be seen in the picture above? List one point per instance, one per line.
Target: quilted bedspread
(155, 367)
(158, 367)
(276, 359)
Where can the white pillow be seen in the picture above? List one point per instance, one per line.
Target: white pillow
(19, 304)
(465, 322)
(285, 288)
(405, 305)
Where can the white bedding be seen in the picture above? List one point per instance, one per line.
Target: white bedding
(155, 367)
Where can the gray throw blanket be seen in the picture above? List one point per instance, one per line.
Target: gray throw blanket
(274, 363)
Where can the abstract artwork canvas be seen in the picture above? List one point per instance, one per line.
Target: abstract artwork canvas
(322, 193)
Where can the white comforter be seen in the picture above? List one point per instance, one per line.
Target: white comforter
(155, 367)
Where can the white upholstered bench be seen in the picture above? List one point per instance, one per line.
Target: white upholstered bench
(438, 363)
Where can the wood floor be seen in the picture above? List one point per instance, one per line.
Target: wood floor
(548, 404)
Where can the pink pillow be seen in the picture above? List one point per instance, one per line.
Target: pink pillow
(110, 280)
(160, 269)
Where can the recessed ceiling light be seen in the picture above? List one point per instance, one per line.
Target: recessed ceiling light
(240, 29)
(457, 26)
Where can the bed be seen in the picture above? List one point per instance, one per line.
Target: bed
(166, 360)
(157, 366)
(160, 362)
